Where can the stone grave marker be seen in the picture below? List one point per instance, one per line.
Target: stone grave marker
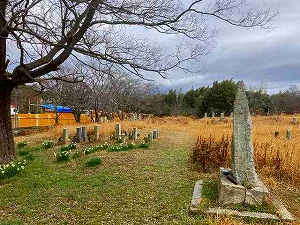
(65, 135)
(96, 132)
(78, 136)
(84, 134)
(294, 121)
(134, 133)
(241, 183)
(222, 117)
(150, 136)
(155, 134)
(118, 130)
(205, 115)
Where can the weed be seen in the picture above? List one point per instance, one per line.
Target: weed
(143, 145)
(211, 154)
(68, 147)
(22, 144)
(47, 144)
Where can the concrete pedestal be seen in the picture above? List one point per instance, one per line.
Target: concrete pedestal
(230, 193)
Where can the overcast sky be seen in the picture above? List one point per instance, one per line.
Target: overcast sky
(259, 57)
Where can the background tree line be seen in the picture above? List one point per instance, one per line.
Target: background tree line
(126, 93)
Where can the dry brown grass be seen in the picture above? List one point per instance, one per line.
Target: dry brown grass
(277, 157)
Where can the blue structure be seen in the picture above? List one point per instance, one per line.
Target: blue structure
(60, 109)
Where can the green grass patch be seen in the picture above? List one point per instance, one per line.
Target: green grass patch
(23, 152)
(262, 208)
(93, 162)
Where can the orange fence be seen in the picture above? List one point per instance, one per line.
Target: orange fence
(45, 119)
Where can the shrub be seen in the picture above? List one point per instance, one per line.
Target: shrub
(211, 154)
(47, 144)
(22, 144)
(10, 169)
(143, 145)
(76, 154)
(93, 162)
(68, 147)
(62, 156)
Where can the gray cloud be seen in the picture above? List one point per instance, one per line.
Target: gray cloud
(254, 55)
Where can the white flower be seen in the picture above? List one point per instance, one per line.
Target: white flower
(22, 167)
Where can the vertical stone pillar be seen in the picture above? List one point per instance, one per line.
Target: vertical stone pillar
(205, 115)
(65, 135)
(118, 130)
(96, 132)
(78, 137)
(294, 120)
(134, 133)
(158, 133)
(222, 117)
(84, 134)
(213, 114)
(231, 114)
(150, 136)
(242, 161)
(154, 134)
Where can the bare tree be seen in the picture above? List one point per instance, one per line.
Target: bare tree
(46, 33)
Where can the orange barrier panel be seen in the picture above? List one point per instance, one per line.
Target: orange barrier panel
(46, 119)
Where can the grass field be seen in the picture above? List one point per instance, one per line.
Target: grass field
(141, 186)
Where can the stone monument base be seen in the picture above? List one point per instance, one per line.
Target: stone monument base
(230, 193)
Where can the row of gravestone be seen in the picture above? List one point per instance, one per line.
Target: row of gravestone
(134, 135)
(82, 134)
(288, 134)
(222, 116)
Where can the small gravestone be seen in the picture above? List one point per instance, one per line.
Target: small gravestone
(118, 130)
(78, 136)
(276, 133)
(288, 134)
(205, 115)
(213, 114)
(155, 134)
(134, 133)
(241, 184)
(150, 137)
(158, 133)
(84, 134)
(96, 132)
(231, 114)
(222, 117)
(294, 121)
(65, 135)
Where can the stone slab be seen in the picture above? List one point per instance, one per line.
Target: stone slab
(197, 196)
(230, 193)
(221, 211)
(284, 214)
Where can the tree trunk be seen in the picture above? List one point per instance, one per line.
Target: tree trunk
(7, 150)
(77, 116)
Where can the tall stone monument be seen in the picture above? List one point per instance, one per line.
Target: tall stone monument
(242, 161)
(241, 184)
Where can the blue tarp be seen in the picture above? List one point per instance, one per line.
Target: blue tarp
(58, 108)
